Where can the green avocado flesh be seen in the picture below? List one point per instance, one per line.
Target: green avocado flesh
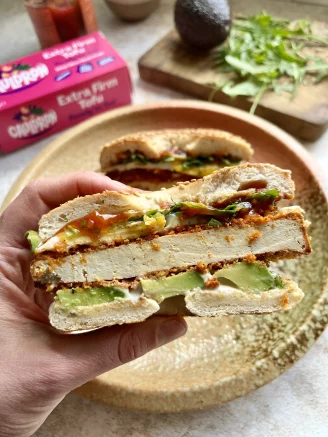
(34, 239)
(251, 278)
(172, 285)
(90, 296)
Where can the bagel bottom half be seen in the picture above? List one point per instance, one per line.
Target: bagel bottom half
(195, 303)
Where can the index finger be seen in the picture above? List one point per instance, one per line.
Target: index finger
(41, 196)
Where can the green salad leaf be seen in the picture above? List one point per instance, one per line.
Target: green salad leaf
(214, 223)
(70, 231)
(138, 157)
(202, 209)
(270, 195)
(229, 161)
(229, 210)
(197, 162)
(187, 161)
(266, 53)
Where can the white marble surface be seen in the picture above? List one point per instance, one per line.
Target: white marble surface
(296, 404)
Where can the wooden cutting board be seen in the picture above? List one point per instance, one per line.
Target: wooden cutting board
(171, 64)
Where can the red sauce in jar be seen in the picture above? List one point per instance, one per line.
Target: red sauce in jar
(68, 20)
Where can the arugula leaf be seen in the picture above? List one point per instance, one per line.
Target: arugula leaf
(70, 231)
(214, 223)
(136, 157)
(236, 207)
(246, 88)
(321, 75)
(228, 161)
(203, 160)
(322, 68)
(278, 282)
(278, 87)
(265, 195)
(282, 52)
(197, 162)
(152, 212)
(169, 159)
(225, 68)
(247, 67)
(230, 210)
(185, 205)
(187, 162)
(265, 53)
(208, 210)
(257, 99)
(141, 158)
(192, 162)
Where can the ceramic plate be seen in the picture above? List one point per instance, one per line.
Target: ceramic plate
(225, 357)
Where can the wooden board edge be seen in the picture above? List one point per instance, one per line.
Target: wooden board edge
(302, 129)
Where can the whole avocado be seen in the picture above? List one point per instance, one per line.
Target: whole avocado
(203, 24)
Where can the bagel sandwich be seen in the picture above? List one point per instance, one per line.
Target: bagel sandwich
(156, 159)
(199, 248)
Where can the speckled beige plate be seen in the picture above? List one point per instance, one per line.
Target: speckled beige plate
(220, 358)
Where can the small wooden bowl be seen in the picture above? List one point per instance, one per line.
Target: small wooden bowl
(132, 10)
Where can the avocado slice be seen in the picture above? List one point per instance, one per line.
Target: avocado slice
(203, 209)
(34, 239)
(89, 296)
(160, 289)
(250, 277)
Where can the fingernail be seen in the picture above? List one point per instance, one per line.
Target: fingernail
(169, 330)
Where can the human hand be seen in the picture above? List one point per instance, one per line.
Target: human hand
(38, 365)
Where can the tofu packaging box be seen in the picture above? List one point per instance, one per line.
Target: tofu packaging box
(58, 87)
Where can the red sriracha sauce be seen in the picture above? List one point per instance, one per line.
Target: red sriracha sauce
(58, 21)
(68, 18)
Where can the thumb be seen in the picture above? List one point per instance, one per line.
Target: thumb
(83, 357)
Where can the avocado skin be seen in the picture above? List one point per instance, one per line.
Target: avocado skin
(202, 24)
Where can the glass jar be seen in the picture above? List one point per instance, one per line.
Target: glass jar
(57, 21)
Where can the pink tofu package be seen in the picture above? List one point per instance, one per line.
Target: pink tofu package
(58, 87)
